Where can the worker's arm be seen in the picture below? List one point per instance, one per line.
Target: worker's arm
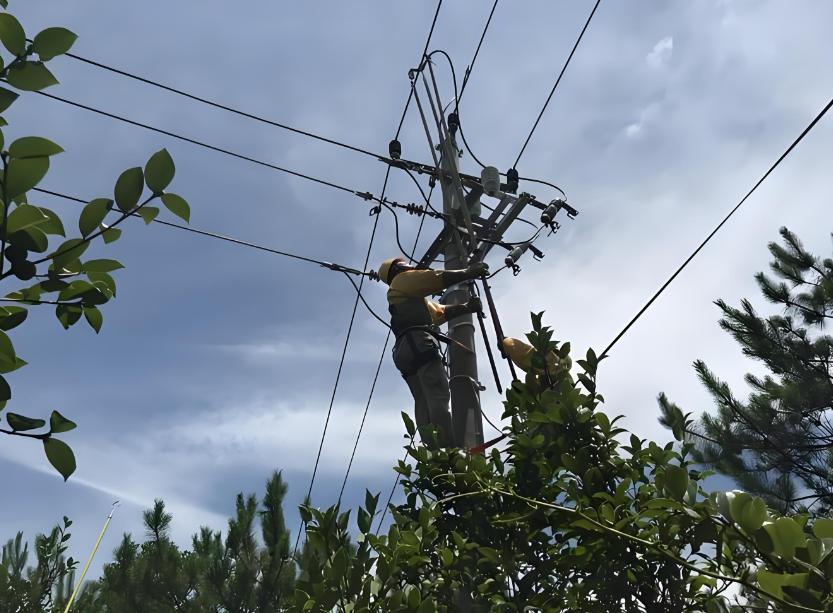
(475, 271)
(441, 314)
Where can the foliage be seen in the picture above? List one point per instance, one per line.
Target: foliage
(30, 589)
(567, 517)
(778, 444)
(33, 239)
(240, 573)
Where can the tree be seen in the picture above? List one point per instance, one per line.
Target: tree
(237, 574)
(778, 443)
(567, 518)
(58, 275)
(31, 589)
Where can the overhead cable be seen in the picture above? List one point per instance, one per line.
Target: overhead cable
(220, 106)
(229, 239)
(694, 253)
(557, 81)
(358, 296)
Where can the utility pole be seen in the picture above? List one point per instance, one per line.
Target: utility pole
(466, 237)
(463, 382)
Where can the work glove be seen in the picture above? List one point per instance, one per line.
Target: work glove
(474, 305)
(478, 270)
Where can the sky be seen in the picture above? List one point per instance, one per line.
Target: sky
(215, 364)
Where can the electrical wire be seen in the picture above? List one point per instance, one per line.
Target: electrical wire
(200, 143)
(358, 296)
(229, 239)
(557, 81)
(476, 52)
(463, 135)
(717, 228)
(220, 106)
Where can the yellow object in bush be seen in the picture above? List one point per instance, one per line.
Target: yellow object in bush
(521, 354)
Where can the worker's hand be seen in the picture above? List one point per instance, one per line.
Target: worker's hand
(474, 305)
(477, 270)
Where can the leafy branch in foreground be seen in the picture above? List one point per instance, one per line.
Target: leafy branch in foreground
(76, 287)
(573, 514)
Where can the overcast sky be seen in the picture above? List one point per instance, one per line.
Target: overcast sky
(215, 364)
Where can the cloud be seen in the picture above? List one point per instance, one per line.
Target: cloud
(661, 53)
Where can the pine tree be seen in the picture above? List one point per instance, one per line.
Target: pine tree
(778, 443)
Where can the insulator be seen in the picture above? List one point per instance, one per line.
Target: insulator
(549, 213)
(395, 149)
(512, 181)
(513, 256)
(453, 123)
(490, 179)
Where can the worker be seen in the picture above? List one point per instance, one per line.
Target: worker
(521, 355)
(416, 353)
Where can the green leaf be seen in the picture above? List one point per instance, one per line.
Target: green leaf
(68, 251)
(23, 175)
(786, 536)
(111, 234)
(59, 423)
(53, 224)
(749, 512)
(823, 528)
(101, 266)
(94, 318)
(5, 390)
(68, 315)
(129, 187)
(52, 42)
(409, 424)
(25, 216)
(12, 34)
(33, 147)
(31, 77)
(93, 214)
(6, 367)
(60, 456)
(676, 480)
(177, 206)
(21, 423)
(7, 353)
(7, 98)
(12, 316)
(148, 213)
(774, 583)
(159, 171)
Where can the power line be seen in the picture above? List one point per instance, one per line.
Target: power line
(220, 106)
(557, 81)
(379, 366)
(662, 288)
(229, 239)
(476, 52)
(201, 144)
(358, 296)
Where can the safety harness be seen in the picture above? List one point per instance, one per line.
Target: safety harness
(409, 317)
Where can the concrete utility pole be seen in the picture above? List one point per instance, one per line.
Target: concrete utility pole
(463, 382)
(465, 236)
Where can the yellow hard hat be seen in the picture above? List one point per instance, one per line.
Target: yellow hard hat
(384, 269)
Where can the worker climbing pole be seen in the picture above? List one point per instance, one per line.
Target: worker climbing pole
(465, 240)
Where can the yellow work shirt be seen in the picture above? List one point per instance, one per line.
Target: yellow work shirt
(521, 354)
(418, 284)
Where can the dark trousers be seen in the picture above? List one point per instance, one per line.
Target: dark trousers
(429, 387)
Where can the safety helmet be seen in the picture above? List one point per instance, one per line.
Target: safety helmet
(385, 268)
